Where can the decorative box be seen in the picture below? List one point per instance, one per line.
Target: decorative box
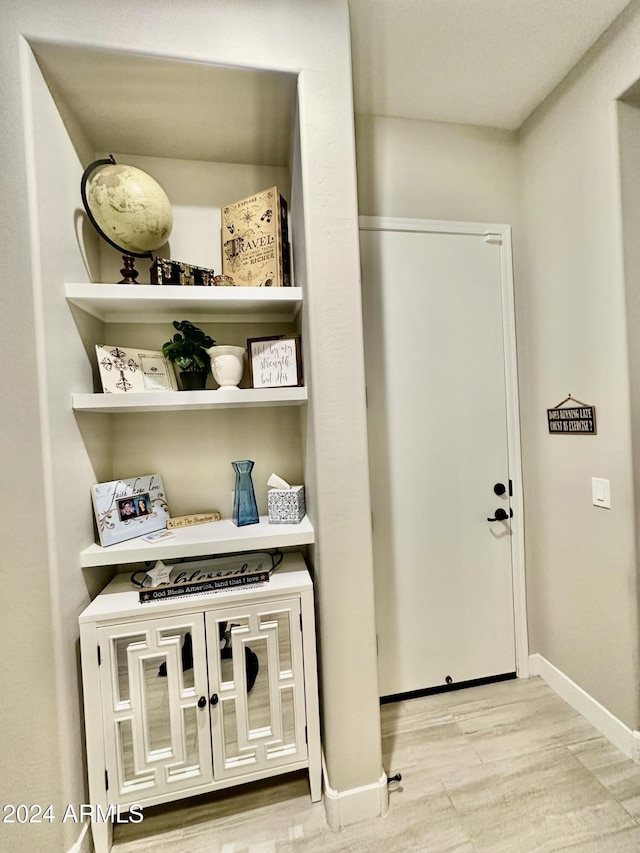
(286, 506)
(164, 271)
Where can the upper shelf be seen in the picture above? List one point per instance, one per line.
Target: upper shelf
(149, 303)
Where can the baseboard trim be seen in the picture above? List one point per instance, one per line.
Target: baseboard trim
(621, 736)
(355, 805)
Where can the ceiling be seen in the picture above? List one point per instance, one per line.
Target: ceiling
(484, 62)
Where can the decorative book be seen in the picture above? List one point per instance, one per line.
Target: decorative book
(255, 240)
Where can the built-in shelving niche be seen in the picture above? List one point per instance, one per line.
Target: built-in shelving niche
(210, 135)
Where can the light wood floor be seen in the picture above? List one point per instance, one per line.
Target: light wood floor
(504, 768)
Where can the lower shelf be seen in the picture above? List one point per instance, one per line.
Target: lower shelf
(217, 537)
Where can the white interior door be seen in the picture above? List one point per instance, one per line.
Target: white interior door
(435, 362)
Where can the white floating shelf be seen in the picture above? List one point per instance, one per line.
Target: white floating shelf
(149, 303)
(217, 537)
(188, 401)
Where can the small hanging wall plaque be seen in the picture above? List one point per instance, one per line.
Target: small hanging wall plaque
(572, 420)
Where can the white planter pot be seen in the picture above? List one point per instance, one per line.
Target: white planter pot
(227, 365)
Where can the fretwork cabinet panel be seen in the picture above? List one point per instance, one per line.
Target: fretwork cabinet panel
(257, 725)
(156, 737)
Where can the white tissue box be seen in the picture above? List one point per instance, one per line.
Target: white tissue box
(286, 506)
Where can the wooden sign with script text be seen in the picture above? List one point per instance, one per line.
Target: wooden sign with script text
(190, 520)
(275, 362)
(574, 420)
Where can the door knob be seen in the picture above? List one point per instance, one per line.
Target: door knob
(501, 515)
(202, 701)
(499, 488)
(214, 699)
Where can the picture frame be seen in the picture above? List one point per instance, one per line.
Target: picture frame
(126, 509)
(275, 361)
(133, 370)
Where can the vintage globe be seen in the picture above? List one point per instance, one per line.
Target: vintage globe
(127, 206)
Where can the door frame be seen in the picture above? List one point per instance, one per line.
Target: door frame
(501, 235)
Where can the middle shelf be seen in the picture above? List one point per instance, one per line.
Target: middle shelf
(178, 401)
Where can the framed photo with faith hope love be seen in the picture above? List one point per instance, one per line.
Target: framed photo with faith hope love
(129, 370)
(126, 509)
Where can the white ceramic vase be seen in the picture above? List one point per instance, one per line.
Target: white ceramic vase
(227, 365)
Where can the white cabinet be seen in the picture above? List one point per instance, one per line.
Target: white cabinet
(185, 697)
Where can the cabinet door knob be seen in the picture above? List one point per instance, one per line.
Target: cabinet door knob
(202, 701)
(214, 699)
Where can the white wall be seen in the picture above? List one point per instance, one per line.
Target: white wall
(432, 170)
(42, 738)
(581, 560)
(629, 144)
(54, 171)
(40, 646)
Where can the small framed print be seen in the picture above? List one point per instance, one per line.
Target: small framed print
(126, 509)
(132, 370)
(275, 362)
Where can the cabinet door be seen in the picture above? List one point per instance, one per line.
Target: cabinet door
(257, 685)
(157, 737)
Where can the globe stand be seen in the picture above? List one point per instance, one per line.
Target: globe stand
(128, 273)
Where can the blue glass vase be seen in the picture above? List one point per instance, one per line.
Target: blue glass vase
(245, 509)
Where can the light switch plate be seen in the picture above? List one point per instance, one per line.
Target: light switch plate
(601, 492)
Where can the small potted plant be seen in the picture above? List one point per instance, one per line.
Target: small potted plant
(188, 349)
